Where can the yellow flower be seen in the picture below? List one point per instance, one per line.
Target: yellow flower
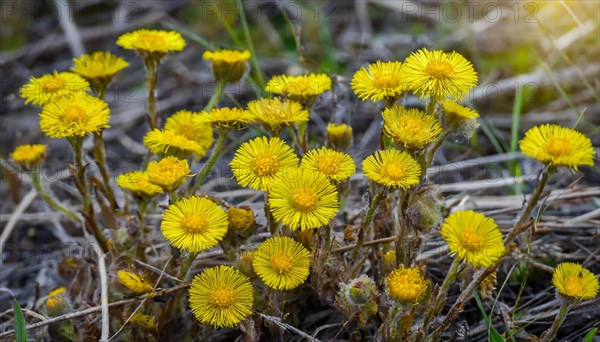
(240, 218)
(194, 224)
(142, 320)
(168, 173)
(339, 135)
(406, 285)
(439, 74)
(138, 183)
(134, 282)
(221, 296)
(572, 280)
(473, 237)
(99, 66)
(281, 263)
(152, 42)
(78, 116)
(229, 65)
(191, 126)
(558, 146)
(337, 166)
(226, 117)
(299, 88)
(392, 168)
(276, 115)
(258, 161)
(169, 143)
(57, 302)
(28, 155)
(380, 81)
(456, 112)
(303, 199)
(410, 127)
(51, 87)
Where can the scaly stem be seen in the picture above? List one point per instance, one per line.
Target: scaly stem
(51, 201)
(100, 157)
(402, 229)
(431, 106)
(216, 97)
(550, 334)
(367, 222)
(185, 266)
(216, 153)
(77, 144)
(151, 64)
(433, 148)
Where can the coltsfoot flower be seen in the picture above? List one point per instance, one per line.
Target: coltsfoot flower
(257, 162)
(154, 43)
(138, 183)
(410, 127)
(275, 114)
(406, 285)
(335, 165)
(51, 87)
(455, 112)
(241, 219)
(144, 321)
(379, 81)
(554, 145)
(439, 74)
(221, 296)
(194, 224)
(99, 67)
(134, 282)
(57, 302)
(169, 143)
(281, 263)
(228, 65)
(573, 281)
(339, 136)
(301, 88)
(168, 173)
(303, 199)
(28, 155)
(392, 168)
(74, 117)
(473, 237)
(191, 126)
(226, 117)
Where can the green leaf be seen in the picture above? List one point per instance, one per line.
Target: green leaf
(20, 331)
(494, 335)
(589, 337)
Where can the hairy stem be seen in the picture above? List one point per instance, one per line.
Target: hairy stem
(550, 334)
(367, 222)
(210, 163)
(152, 65)
(51, 201)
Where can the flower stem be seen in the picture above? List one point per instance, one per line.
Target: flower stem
(216, 153)
(77, 144)
(550, 334)
(152, 64)
(367, 222)
(216, 97)
(433, 148)
(186, 263)
(51, 201)
(100, 157)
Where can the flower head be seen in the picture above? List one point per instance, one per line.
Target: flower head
(257, 162)
(28, 155)
(51, 87)
(558, 146)
(74, 117)
(406, 285)
(473, 237)
(134, 282)
(410, 127)
(138, 183)
(339, 135)
(57, 302)
(194, 224)
(169, 143)
(456, 112)
(229, 65)
(191, 126)
(439, 74)
(275, 114)
(574, 281)
(240, 219)
(142, 320)
(98, 67)
(337, 166)
(379, 81)
(303, 199)
(392, 168)
(155, 43)
(302, 88)
(168, 173)
(281, 262)
(226, 117)
(221, 296)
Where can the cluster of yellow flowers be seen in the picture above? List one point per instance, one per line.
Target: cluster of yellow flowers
(304, 187)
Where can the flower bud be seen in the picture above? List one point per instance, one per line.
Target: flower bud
(339, 136)
(57, 303)
(228, 65)
(241, 219)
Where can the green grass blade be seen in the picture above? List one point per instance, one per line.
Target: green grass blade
(20, 331)
(589, 337)
(190, 35)
(258, 75)
(514, 137)
(493, 334)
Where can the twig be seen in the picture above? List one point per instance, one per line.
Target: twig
(277, 321)
(65, 17)
(14, 218)
(104, 297)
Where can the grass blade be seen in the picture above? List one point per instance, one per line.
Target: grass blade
(20, 331)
